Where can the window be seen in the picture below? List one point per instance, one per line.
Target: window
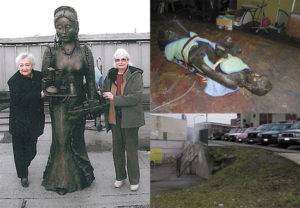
(165, 135)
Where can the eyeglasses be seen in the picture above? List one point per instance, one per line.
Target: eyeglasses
(120, 60)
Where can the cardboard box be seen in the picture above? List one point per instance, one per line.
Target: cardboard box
(224, 20)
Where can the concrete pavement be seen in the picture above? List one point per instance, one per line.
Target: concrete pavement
(163, 178)
(292, 156)
(100, 194)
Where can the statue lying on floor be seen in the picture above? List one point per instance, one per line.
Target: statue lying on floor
(217, 62)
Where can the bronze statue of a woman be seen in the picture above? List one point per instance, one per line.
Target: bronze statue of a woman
(217, 62)
(68, 64)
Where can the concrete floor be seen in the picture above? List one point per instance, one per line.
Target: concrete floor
(101, 193)
(173, 91)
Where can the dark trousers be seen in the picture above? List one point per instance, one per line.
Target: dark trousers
(125, 139)
(24, 148)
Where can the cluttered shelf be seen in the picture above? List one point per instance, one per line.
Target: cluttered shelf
(287, 31)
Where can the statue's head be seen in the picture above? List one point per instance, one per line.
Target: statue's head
(258, 84)
(66, 23)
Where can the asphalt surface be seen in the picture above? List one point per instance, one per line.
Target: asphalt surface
(100, 194)
(164, 179)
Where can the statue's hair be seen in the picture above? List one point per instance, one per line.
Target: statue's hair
(65, 11)
(24, 55)
(69, 13)
(122, 52)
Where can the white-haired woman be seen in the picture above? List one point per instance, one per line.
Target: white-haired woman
(123, 86)
(26, 119)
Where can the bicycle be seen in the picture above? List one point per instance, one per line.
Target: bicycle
(281, 20)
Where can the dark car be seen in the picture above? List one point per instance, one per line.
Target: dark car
(218, 135)
(252, 135)
(271, 136)
(291, 136)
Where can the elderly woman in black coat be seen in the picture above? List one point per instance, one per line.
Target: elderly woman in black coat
(26, 119)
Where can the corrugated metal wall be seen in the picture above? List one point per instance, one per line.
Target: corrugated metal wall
(103, 46)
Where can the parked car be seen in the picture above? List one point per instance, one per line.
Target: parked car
(252, 135)
(218, 135)
(232, 131)
(233, 136)
(291, 136)
(271, 137)
(242, 137)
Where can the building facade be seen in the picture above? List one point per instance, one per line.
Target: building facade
(102, 46)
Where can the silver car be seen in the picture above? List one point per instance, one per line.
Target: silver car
(291, 136)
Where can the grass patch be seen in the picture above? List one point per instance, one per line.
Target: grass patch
(257, 178)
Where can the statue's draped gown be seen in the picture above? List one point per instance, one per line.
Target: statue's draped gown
(68, 166)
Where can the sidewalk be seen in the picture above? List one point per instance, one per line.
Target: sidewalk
(292, 156)
(100, 194)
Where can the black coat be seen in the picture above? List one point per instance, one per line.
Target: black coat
(26, 105)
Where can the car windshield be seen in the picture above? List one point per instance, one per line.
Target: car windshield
(249, 129)
(280, 127)
(264, 127)
(295, 126)
(241, 131)
(233, 130)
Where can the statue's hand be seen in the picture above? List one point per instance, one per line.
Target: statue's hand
(89, 110)
(90, 116)
(225, 46)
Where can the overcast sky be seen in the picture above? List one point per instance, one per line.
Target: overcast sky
(27, 18)
(193, 118)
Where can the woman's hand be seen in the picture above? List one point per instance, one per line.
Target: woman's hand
(42, 94)
(108, 95)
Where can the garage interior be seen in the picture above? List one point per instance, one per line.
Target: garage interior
(268, 51)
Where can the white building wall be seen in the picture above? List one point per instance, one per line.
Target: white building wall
(175, 131)
(278, 117)
(169, 148)
(254, 119)
(171, 128)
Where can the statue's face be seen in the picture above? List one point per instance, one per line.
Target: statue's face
(65, 29)
(259, 84)
(25, 67)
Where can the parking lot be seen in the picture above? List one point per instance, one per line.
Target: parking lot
(275, 135)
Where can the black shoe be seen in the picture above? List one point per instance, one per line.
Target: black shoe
(24, 182)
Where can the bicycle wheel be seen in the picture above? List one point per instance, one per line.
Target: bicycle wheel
(283, 18)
